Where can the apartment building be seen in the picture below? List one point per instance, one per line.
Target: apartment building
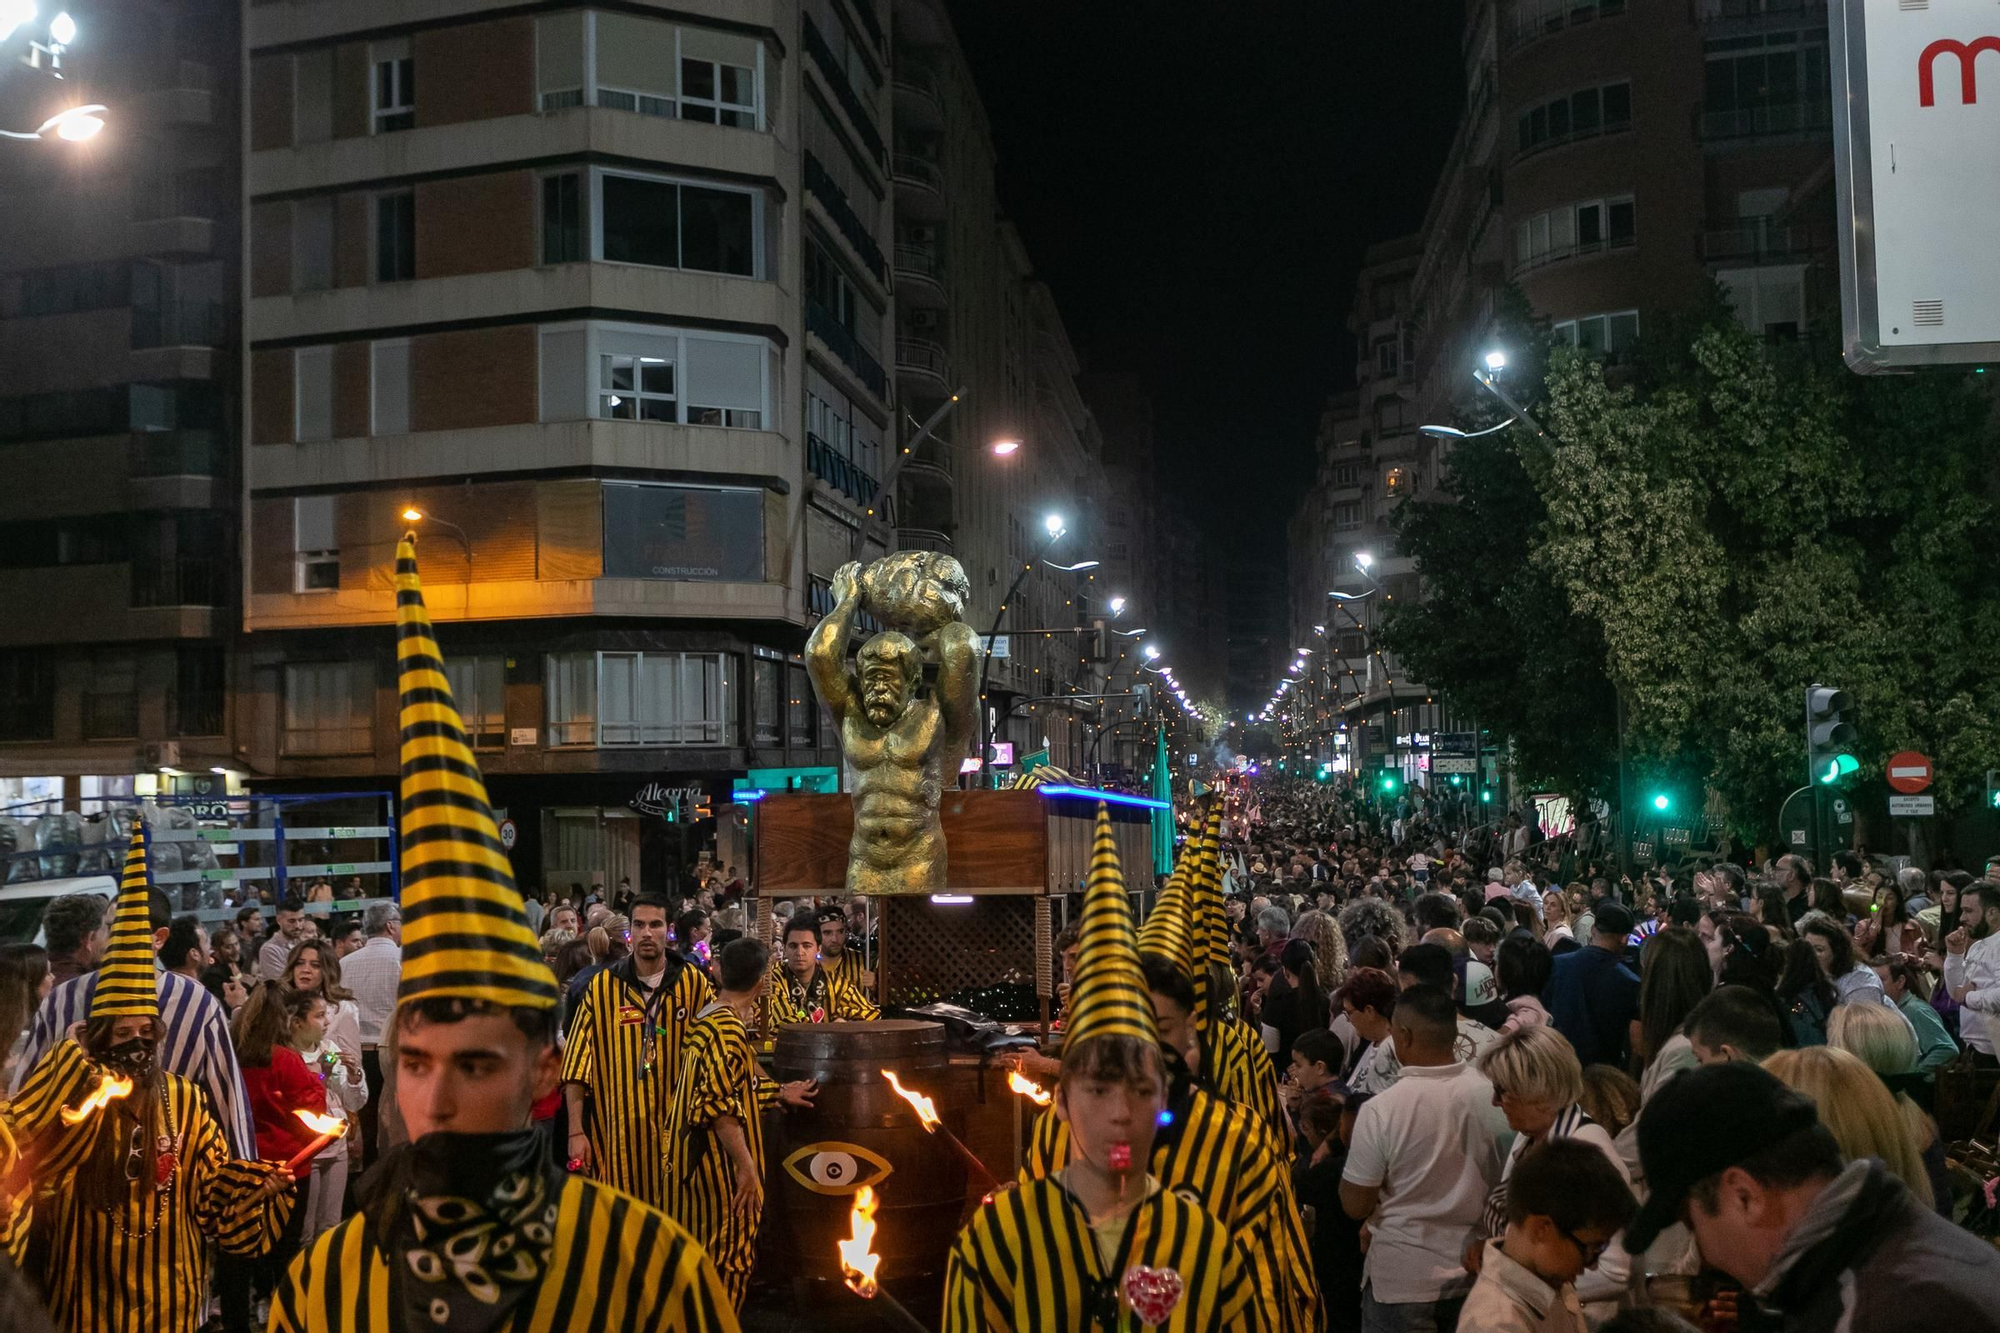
(595, 301)
(1614, 160)
(118, 343)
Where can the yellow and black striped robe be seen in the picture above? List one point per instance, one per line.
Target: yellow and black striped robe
(1214, 1154)
(1241, 1073)
(719, 1076)
(844, 1001)
(1027, 1262)
(616, 1264)
(143, 1268)
(850, 969)
(606, 1051)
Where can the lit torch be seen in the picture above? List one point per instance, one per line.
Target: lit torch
(328, 1127)
(1030, 1089)
(108, 1090)
(859, 1262)
(926, 1111)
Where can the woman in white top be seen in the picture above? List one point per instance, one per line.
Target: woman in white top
(1555, 918)
(1537, 1082)
(336, 1058)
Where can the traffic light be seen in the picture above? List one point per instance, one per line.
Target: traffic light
(1099, 639)
(1457, 780)
(1662, 802)
(1830, 736)
(702, 809)
(1390, 782)
(1993, 789)
(1486, 795)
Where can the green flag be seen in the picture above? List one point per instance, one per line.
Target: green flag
(1162, 787)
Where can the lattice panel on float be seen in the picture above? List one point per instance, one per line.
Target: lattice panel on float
(984, 954)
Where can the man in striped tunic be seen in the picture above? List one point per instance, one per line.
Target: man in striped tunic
(715, 1133)
(1101, 1244)
(473, 1226)
(803, 991)
(625, 1044)
(134, 1191)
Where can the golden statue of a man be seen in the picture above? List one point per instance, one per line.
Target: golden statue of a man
(902, 743)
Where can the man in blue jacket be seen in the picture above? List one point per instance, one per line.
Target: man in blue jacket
(1592, 996)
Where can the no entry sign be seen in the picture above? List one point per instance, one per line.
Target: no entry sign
(1909, 772)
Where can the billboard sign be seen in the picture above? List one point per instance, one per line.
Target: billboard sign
(1916, 108)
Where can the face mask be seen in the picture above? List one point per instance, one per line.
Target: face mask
(131, 1057)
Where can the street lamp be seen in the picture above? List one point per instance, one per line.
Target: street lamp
(1053, 524)
(76, 124)
(1362, 560)
(1076, 568)
(1117, 605)
(1001, 448)
(1496, 361)
(1129, 633)
(413, 516)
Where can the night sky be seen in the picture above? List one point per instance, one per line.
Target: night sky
(1197, 184)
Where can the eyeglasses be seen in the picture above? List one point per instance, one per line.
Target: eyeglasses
(1591, 1251)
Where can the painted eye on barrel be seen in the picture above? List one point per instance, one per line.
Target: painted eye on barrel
(836, 1168)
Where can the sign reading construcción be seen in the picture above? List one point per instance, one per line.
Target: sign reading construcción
(690, 533)
(1916, 107)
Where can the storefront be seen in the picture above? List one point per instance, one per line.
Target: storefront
(598, 831)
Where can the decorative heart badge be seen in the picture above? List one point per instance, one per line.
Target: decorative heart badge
(1153, 1292)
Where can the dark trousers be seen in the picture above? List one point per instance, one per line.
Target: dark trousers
(239, 1278)
(371, 1074)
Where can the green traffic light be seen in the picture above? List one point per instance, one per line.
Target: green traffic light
(1663, 802)
(1457, 781)
(1486, 796)
(1836, 767)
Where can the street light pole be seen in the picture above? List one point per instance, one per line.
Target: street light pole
(1056, 534)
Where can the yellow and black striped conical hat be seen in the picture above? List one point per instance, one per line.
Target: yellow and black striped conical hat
(1108, 996)
(1211, 923)
(1168, 929)
(126, 987)
(465, 931)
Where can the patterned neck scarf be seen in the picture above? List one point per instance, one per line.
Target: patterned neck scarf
(468, 1222)
(808, 996)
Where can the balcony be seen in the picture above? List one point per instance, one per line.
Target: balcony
(176, 453)
(821, 185)
(919, 103)
(826, 326)
(1545, 18)
(190, 582)
(1723, 11)
(839, 471)
(923, 539)
(919, 187)
(920, 276)
(1756, 242)
(924, 365)
(1782, 120)
(1572, 251)
(830, 69)
(180, 324)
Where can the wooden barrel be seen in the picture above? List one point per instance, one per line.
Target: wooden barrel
(859, 1132)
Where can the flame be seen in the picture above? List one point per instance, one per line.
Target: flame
(108, 1090)
(925, 1108)
(1028, 1088)
(857, 1258)
(322, 1124)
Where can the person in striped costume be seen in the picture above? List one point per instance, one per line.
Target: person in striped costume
(1232, 1060)
(1101, 1244)
(624, 1050)
(473, 1226)
(136, 1190)
(715, 1131)
(802, 991)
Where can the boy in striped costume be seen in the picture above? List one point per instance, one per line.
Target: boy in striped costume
(715, 1132)
(1101, 1245)
(473, 1226)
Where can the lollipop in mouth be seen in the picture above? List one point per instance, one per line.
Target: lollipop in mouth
(1120, 1157)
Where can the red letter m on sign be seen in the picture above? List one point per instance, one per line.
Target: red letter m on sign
(1968, 72)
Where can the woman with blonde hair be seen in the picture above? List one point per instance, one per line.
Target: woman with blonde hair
(1880, 1039)
(1321, 931)
(1538, 1085)
(1555, 919)
(1857, 1110)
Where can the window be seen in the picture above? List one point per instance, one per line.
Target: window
(562, 218)
(195, 708)
(1394, 481)
(316, 555)
(312, 96)
(629, 699)
(479, 688)
(396, 236)
(683, 533)
(641, 373)
(636, 388)
(389, 380)
(1577, 115)
(559, 44)
(800, 707)
(329, 708)
(1537, 18)
(1601, 335)
(635, 63)
(833, 418)
(395, 92)
(766, 725)
(59, 291)
(312, 244)
(672, 225)
(1346, 474)
(718, 94)
(1387, 360)
(1769, 301)
(27, 696)
(111, 699)
(1347, 516)
(312, 394)
(829, 288)
(1574, 229)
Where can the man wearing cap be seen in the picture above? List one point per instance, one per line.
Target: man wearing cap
(1101, 1244)
(473, 1226)
(136, 1189)
(1817, 1245)
(1592, 996)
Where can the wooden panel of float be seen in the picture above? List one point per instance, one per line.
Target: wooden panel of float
(996, 842)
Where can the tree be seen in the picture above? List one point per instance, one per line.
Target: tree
(1744, 520)
(1494, 630)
